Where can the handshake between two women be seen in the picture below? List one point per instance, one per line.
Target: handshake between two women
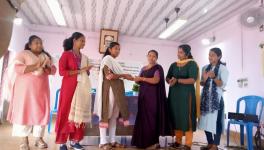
(112, 76)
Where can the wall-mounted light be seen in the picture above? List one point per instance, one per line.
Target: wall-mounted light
(18, 21)
(208, 41)
(205, 10)
(250, 19)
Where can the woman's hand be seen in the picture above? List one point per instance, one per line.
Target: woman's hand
(172, 81)
(47, 70)
(33, 67)
(205, 76)
(38, 64)
(46, 62)
(138, 79)
(211, 74)
(87, 68)
(128, 77)
(110, 76)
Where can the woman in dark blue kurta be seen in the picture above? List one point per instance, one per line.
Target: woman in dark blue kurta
(151, 116)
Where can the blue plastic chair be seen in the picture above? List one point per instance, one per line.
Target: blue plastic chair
(251, 103)
(54, 110)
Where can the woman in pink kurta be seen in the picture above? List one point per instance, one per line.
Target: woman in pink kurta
(30, 93)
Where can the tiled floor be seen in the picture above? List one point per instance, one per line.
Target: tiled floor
(7, 142)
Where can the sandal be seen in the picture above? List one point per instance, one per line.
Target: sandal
(175, 145)
(24, 146)
(185, 147)
(106, 146)
(206, 147)
(214, 147)
(117, 145)
(41, 144)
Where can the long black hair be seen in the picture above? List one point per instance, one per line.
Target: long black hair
(187, 50)
(155, 52)
(218, 52)
(30, 40)
(68, 43)
(111, 45)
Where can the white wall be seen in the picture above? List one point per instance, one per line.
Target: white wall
(20, 34)
(232, 38)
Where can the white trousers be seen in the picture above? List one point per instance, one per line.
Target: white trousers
(112, 122)
(25, 130)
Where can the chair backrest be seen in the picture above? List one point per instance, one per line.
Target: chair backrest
(251, 103)
(56, 100)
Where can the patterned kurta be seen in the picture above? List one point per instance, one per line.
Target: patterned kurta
(207, 121)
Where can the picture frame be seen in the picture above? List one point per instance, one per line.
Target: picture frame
(106, 37)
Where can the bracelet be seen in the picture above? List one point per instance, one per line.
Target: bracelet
(177, 81)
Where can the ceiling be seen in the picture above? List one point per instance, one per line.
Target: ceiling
(139, 18)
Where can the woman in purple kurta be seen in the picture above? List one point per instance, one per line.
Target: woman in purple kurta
(151, 120)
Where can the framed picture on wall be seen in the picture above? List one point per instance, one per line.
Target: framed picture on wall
(106, 37)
